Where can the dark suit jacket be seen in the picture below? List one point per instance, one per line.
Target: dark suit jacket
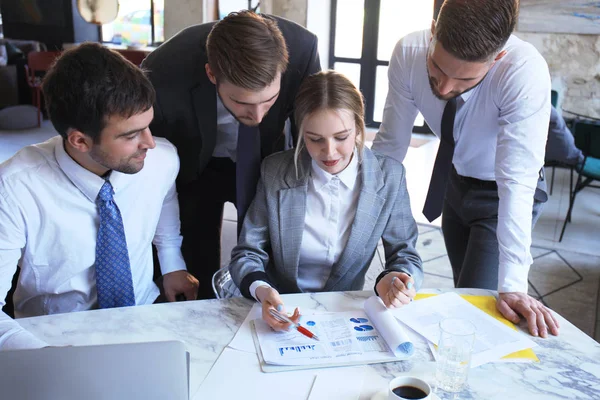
(186, 108)
(561, 143)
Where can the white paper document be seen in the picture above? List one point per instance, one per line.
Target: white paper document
(243, 338)
(337, 383)
(237, 375)
(493, 339)
(345, 337)
(390, 330)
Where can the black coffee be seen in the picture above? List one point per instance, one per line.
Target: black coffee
(409, 392)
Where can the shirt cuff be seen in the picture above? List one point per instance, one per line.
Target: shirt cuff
(20, 339)
(254, 285)
(512, 278)
(170, 259)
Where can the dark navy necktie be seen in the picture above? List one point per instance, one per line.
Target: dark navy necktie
(443, 163)
(247, 169)
(113, 272)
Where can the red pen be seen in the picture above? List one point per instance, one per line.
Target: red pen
(283, 318)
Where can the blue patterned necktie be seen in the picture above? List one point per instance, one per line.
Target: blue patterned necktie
(113, 273)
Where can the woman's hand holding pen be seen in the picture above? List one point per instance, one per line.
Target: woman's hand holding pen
(396, 289)
(270, 299)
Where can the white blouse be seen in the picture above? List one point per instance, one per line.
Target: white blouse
(331, 204)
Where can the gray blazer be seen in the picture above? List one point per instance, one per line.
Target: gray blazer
(269, 245)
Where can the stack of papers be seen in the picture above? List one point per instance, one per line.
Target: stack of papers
(346, 338)
(494, 340)
(241, 356)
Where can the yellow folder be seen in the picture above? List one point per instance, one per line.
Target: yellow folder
(488, 305)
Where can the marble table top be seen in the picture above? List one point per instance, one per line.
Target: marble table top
(569, 364)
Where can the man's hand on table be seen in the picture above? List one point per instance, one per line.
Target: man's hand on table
(396, 289)
(539, 318)
(180, 282)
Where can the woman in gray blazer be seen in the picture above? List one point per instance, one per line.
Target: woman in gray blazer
(321, 209)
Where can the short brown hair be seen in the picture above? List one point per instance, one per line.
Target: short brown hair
(247, 50)
(89, 84)
(329, 90)
(476, 30)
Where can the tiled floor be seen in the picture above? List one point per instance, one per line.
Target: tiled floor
(566, 275)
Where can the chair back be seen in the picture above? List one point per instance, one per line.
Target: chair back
(223, 285)
(39, 61)
(134, 56)
(554, 97)
(587, 137)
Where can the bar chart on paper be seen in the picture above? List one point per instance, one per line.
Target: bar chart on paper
(346, 338)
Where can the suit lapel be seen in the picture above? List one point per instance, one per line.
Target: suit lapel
(291, 212)
(204, 98)
(369, 207)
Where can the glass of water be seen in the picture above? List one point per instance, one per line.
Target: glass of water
(457, 337)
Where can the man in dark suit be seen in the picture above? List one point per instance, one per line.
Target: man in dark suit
(561, 143)
(224, 93)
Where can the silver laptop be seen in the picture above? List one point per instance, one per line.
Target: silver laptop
(157, 370)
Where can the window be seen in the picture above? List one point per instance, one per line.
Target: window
(139, 23)
(228, 6)
(363, 36)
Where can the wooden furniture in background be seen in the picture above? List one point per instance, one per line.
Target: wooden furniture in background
(135, 56)
(38, 62)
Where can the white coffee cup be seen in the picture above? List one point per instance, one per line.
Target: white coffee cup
(408, 382)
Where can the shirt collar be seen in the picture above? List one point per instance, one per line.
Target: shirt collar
(86, 181)
(347, 176)
(465, 96)
(223, 114)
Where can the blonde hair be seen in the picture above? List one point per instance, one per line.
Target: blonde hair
(328, 90)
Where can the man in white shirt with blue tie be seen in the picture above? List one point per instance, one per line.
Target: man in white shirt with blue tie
(79, 212)
(486, 94)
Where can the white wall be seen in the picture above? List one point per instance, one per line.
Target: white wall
(574, 63)
(179, 14)
(294, 10)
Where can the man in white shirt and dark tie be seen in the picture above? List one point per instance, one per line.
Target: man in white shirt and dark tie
(486, 94)
(79, 212)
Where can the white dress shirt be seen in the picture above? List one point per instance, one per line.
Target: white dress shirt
(331, 202)
(227, 133)
(500, 132)
(49, 224)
